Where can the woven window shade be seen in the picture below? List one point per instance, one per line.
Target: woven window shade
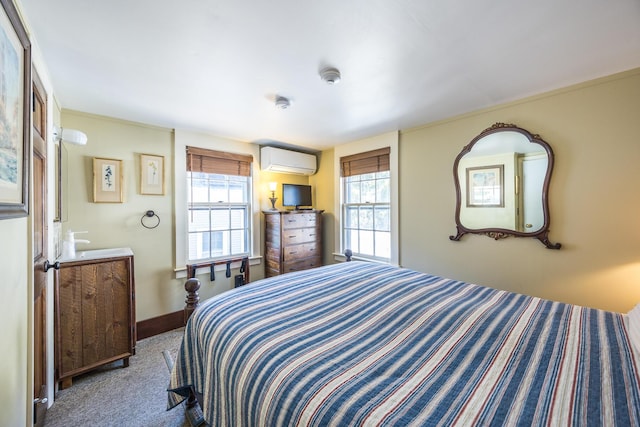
(211, 161)
(369, 162)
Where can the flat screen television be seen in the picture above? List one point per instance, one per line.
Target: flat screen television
(296, 196)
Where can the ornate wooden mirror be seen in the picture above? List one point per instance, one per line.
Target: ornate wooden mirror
(502, 182)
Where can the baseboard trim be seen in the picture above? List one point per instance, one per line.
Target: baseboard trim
(158, 325)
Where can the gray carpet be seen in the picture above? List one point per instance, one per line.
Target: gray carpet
(123, 397)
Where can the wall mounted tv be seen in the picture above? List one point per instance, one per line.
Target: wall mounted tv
(296, 196)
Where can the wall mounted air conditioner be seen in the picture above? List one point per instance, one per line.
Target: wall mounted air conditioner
(286, 161)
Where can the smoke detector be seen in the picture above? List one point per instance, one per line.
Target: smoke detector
(330, 75)
(282, 103)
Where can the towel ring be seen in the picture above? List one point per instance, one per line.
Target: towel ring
(150, 214)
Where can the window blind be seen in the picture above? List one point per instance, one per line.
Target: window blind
(219, 162)
(368, 162)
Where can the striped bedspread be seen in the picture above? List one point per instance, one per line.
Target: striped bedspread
(366, 344)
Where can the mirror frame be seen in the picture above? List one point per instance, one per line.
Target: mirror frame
(501, 233)
(58, 182)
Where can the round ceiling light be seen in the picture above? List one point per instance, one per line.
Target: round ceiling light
(282, 102)
(330, 75)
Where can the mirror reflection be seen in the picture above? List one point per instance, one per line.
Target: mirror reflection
(60, 182)
(501, 179)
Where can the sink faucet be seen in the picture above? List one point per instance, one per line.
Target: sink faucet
(69, 244)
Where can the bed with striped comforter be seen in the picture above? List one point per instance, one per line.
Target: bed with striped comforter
(368, 344)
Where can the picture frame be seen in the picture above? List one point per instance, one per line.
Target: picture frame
(485, 186)
(15, 118)
(107, 180)
(152, 174)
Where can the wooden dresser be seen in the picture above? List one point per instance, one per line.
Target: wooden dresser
(94, 315)
(293, 241)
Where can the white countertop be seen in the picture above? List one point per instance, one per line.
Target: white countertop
(98, 254)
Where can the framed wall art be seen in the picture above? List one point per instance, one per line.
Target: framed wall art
(15, 114)
(107, 180)
(151, 174)
(485, 186)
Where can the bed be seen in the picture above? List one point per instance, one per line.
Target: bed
(363, 343)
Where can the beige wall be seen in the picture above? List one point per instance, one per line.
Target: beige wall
(322, 183)
(118, 224)
(15, 319)
(594, 130)
(159, 290)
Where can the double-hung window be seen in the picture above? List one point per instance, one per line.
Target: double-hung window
(366, 207)
(219, 204)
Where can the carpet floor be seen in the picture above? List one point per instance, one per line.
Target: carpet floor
(115, 396)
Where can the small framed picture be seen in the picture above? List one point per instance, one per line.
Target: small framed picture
(485, 187)
(107, 180)
(151, 174)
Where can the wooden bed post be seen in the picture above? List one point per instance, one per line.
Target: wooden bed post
(193, 298)
(192, 285)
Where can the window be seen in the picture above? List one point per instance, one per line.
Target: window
(366, 207)
(218, 203)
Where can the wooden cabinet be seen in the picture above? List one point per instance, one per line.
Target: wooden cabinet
(293, 241)
(94, 315)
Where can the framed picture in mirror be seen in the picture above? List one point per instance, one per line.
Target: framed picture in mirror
(485, 186)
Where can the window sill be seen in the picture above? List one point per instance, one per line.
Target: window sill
(341, 258)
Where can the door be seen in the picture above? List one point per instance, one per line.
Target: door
(533, 173)
(40, 231)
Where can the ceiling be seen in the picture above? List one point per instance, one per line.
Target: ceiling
(216, 66)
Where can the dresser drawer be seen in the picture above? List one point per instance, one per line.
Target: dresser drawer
(299, 220)
(304, 264)
(299, 235)
(292, 241)
(305, 250)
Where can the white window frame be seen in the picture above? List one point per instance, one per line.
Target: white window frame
(390, 140)
(182, 139)
(373, 205)
(226, 206)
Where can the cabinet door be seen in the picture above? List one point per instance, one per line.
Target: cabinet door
(93, 315)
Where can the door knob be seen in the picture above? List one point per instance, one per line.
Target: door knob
(48, 265)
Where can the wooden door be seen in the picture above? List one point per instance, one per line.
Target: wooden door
(40, 231)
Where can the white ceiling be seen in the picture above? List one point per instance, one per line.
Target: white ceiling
(216, 65)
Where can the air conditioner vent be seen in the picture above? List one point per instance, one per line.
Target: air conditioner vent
(286, 161)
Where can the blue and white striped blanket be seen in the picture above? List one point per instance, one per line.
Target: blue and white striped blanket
(369, 344)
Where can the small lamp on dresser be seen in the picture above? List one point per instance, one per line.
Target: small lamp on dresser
(273, 198)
